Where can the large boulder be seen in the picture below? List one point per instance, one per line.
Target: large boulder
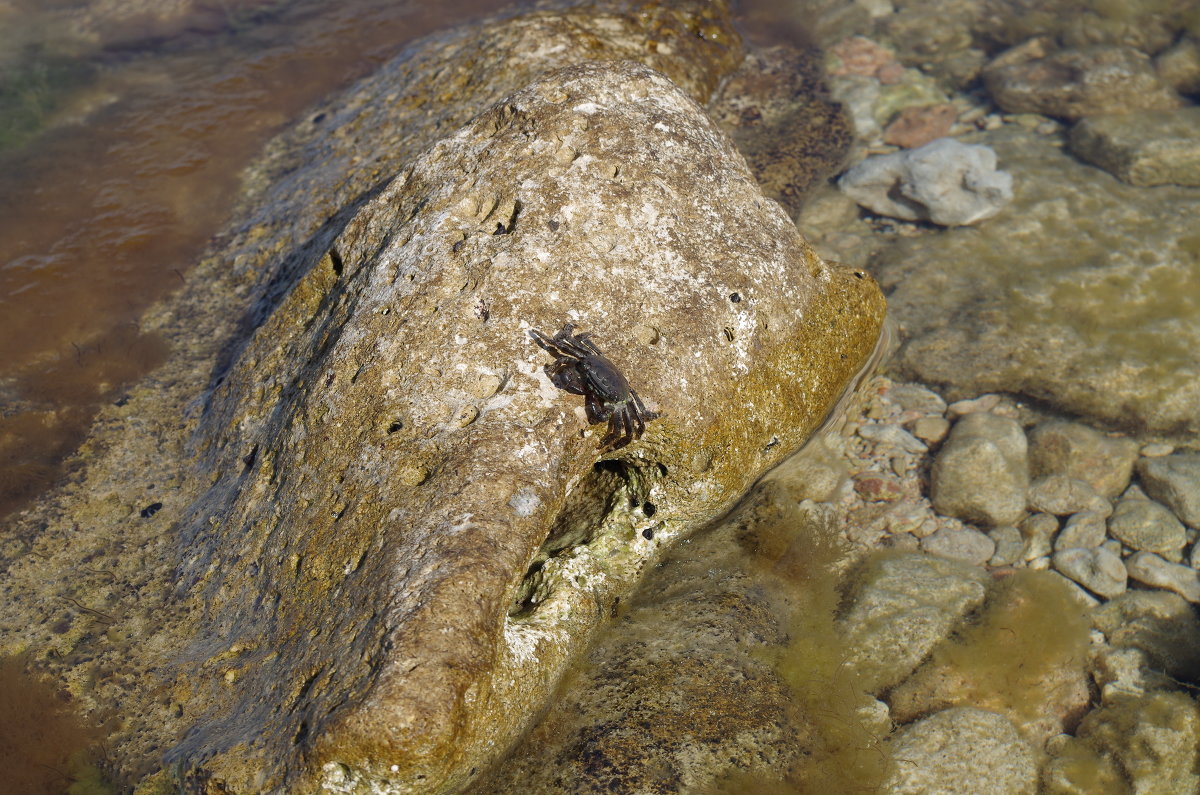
(351, 534)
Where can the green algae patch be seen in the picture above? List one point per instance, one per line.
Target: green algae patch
(841, 727)
(1150, 739)
(1023, 655)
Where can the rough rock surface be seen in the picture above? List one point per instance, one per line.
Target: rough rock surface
(1082, 293)
(1153, 148)
(946, 182)
(360, 569)
(903, 607)
(962, 749)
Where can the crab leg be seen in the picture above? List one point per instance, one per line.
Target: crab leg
(545, 342)
(642, 411)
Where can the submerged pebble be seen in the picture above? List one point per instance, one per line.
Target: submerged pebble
(1153, 148)
(1148, 526)
(1098, 570)
(945, 181)
(1174, 480)
(981, 474)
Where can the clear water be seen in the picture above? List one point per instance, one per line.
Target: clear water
(117, 165)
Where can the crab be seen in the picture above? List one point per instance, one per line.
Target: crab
(581, 369)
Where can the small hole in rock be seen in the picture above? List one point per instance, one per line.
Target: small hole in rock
(395, 426)
(648, 509)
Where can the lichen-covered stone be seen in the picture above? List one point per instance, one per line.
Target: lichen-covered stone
(382, 533)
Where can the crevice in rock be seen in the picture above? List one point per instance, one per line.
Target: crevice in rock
(604, 501)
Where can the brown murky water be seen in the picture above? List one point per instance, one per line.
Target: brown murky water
(104, 213)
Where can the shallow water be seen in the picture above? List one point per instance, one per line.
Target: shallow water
(136, 167)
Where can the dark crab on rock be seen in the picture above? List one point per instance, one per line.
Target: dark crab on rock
(581, 369)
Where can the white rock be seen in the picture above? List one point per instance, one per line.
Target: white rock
(944, 181)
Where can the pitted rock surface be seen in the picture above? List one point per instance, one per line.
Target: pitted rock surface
(383, 532)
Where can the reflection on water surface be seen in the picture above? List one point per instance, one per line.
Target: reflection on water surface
(106, 210)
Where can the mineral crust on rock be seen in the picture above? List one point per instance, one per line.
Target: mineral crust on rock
(382, 532)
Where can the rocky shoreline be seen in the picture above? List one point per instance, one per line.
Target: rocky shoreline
(320, 547)
(1014, 606)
